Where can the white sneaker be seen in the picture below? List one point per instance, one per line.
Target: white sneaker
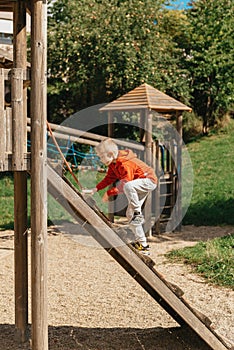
(145, 250)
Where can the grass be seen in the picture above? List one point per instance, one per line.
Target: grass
(212, 201)
(6, 202)
(212, 259)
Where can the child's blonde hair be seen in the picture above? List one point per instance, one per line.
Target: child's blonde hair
(107, 146)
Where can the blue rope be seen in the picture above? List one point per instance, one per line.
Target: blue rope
(69, 150)
(74, 155)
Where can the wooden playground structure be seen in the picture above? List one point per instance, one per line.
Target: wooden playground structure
(15, 158)
(153, 110)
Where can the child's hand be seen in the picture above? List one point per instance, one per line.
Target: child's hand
(90, 191)
(105, 198)
(94, 190)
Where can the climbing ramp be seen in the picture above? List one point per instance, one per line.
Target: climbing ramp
(140, 267)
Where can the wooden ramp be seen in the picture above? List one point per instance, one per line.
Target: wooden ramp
(113, 240)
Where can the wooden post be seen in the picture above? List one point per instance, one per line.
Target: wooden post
(142, 125)
(39, 175)
(148, 138)
(148, 160)
(111, 202)
(19, 127)
(157, 191)
(8, 130)
(179, 120)
(21, 254)
(2, 119)
(172, 184)
(110, 124)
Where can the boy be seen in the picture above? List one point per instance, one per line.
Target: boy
(134, 178)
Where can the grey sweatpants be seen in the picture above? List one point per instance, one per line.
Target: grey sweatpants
(136, 192)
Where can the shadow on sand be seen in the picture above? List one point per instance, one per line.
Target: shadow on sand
(69, 338)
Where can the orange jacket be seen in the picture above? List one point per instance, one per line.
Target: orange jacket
(126, 167)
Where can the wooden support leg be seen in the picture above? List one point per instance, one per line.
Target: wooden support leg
(21, 255)
(39, 176)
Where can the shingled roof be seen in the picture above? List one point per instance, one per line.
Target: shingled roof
(146, 97)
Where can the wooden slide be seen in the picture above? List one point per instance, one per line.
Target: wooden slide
(140, 267)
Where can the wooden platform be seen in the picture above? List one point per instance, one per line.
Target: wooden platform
(141, 268)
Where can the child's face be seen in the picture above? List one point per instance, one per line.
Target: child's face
(106, 158)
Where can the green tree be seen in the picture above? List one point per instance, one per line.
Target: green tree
(173, 26)
(209, 58)
(98, 50)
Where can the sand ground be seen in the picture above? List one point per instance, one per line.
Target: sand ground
(95, 305)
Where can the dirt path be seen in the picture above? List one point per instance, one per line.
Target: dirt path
(95, 305)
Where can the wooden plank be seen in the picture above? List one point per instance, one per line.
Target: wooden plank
(2, 120)
(134, 265)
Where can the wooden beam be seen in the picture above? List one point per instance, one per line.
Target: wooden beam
(7, 166)
(26, 74)
(6, 8)
(39, 176)
(18, 145)
(7, 5)
(65, 132)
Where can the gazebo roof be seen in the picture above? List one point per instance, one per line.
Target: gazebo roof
(146, 97)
